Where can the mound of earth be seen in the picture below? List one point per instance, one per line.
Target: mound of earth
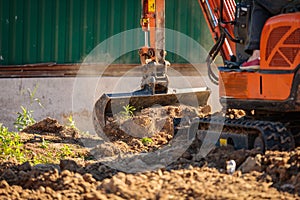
(147, 131)
(75, 173)
(277, 178)
(51, 126)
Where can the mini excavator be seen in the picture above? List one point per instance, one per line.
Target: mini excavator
(270, 96)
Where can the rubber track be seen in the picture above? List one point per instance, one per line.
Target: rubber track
(275, 135)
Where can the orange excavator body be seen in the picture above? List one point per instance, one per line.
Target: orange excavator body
(279, 63)
(277, 79)
(273, 91)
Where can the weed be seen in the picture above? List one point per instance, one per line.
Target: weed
(24, 119)
(71, 122)
(44, 144)
(11, 145)
(128, 111)
(44, 159)
(66, 151)
(146, 141)
(32, 96)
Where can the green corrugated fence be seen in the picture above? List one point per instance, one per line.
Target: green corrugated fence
(65, 31)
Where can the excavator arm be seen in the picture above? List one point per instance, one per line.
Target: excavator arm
(220, 18)
(154, 84)
(219, 15)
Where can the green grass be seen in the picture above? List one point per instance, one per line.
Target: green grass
(11, 145)
(13, 149)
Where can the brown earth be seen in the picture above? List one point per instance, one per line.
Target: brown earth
(71, 170)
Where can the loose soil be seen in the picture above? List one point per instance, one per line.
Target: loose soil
(72, 169)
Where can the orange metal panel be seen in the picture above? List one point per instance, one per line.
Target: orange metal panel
(276, 87)
(280, 42)
(234, 84)
(254, 85)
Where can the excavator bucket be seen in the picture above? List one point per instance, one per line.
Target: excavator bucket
(109, 105)
(154, 85)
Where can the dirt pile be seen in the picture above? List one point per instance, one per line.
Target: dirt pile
(76, 174)
(69, 180)
(51, 126)
(146, 131)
